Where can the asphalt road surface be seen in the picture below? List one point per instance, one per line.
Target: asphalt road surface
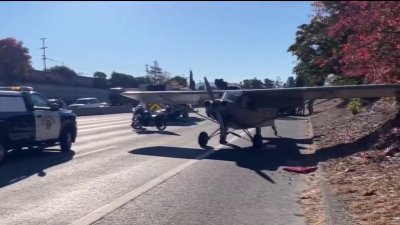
(117, 176)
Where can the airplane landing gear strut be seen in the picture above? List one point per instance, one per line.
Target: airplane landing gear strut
(257, 139)
(275, 131)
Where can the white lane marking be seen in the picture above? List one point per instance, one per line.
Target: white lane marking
(103, 121)
(102, 142)
(104, 127)
(104, 134)
(124, 199)
(104, 124)
(95, 117)
(94, 151)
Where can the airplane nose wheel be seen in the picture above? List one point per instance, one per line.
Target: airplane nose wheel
(203, 139)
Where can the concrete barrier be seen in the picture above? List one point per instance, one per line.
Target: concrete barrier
(101, 111)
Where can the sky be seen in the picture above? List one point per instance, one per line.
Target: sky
(229, 40)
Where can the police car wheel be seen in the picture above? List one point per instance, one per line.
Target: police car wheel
(66, 140)
(2, 153)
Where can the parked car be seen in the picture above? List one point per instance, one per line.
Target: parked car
(88, 103)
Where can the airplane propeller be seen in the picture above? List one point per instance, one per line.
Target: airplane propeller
(215, 103)
(209, 90)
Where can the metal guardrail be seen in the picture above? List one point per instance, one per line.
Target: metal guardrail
(101, 110)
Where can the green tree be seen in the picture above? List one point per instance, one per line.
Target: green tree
(15, 61)
(156, 74)
(100, 80)
(317, 54)
(63, 71)
(269, 83)
(178, 81)
(252, 84)
(142, 80)
(123, 80)
(278, 82)
(192, 83)
(100, 75)
(221, 84)
(300, 80)
(290, 82)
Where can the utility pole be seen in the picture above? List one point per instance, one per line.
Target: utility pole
(44, 54)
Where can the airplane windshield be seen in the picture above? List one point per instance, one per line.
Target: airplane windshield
(233, 95)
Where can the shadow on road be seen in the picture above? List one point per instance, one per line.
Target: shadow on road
(184, 122)
(276, 152)
(23, 164)
(146, 131)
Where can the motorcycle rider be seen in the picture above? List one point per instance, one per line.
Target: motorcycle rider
(141, 113)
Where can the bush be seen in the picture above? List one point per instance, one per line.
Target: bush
(354, 106)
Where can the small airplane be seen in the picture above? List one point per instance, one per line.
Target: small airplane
(255, 108)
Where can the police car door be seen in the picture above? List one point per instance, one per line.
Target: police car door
(47, 122)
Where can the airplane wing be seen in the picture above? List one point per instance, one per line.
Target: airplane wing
(278, 97)
(171, 97)
(290, 96)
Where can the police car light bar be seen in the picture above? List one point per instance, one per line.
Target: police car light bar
(16, 88)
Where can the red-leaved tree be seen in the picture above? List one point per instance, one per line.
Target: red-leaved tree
(15, 61)
(370, 31)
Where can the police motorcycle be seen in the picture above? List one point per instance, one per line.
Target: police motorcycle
(144, 118)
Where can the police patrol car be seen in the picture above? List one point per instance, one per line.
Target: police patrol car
(27, 119)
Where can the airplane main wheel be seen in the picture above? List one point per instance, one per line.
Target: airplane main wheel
(203, 139)
(257, 141)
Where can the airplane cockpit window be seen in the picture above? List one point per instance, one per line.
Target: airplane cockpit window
(235, 96)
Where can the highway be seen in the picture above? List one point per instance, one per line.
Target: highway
(117, 176)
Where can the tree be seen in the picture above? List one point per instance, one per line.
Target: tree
(221, 84)
(278, 82)
(192, 83)
(100, 75)
(178, 81)
(371, 31)
(63, 71)
(100, 80)
(142, 80)
(300, 81)
(15, 61)
(290, 82)
(269, 83)
(317, 54)
(123, 80)
(252, 84)
(256, 83)
(156, 74)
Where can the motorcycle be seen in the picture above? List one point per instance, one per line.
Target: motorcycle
(144, 118)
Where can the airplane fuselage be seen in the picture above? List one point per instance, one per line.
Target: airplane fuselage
(237, 111)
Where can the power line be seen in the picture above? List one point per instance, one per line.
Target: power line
(55, 61)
